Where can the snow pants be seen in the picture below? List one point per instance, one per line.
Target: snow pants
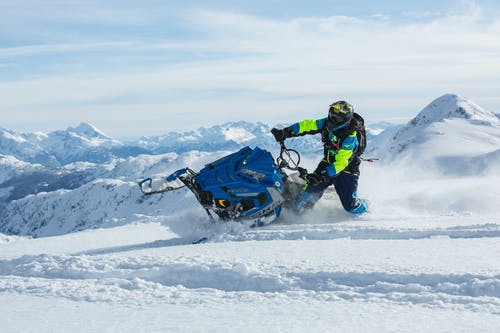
(345, 183)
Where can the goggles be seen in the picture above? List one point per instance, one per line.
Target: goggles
(341, 108)
(340, 112)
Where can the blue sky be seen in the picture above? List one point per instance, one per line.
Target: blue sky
(136, 68)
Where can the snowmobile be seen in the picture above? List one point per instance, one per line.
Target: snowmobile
(245, 186)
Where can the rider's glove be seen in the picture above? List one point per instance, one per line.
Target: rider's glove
(316, 179)
(281, 134)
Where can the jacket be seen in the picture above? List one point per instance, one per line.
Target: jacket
(340, 143)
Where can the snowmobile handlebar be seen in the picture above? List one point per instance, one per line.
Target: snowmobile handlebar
(180, 178)
(289, 159)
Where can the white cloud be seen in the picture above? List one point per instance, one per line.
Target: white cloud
(61, 48)
(275, 70)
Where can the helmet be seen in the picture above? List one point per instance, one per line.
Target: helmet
(340, 112)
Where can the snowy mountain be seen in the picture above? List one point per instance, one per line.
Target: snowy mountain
(228, 136)
(11, 166)
(24, 148)
(93, 195)
(70, 158)
(451, 106)
(232, 136)
(66, 211)
(450, 128)
(38, 162)
(463, 136)
(83, 143)
(87, 144)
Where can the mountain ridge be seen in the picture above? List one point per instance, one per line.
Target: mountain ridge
(438, 121)
(103, 187)
(450, 106)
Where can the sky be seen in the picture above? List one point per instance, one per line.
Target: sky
(134, 68)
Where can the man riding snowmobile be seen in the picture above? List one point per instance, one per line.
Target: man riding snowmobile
(344, 138)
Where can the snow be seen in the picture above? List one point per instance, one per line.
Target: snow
(270, 316)
(10, 136)
(451, 135)
(416, 262)
(451, 106)
(271, 283)
(238, 135)
(88, 130)
(424, 258)
(10, 166)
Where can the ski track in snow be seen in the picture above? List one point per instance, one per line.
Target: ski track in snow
(326, 232)
(125, 275)
(139, 280)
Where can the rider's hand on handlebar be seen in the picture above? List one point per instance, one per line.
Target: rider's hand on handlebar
(281, 134)
(278, 134)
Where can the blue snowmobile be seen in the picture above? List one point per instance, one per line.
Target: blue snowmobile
(245, 186)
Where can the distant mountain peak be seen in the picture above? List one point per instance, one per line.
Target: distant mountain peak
(88, 130)
(449, 120)
(451, 106)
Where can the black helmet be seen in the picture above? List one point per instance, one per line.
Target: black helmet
(340, 112)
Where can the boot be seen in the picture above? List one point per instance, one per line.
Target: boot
(360, 207)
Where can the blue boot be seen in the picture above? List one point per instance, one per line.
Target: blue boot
(360, 207)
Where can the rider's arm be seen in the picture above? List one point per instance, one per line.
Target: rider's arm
(340, 158)
(309, 126)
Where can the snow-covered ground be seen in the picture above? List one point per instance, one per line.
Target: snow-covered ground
(425, 258)
(422, 260)
(360, 275)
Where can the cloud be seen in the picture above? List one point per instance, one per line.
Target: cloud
(231, 66)
(60, 48)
